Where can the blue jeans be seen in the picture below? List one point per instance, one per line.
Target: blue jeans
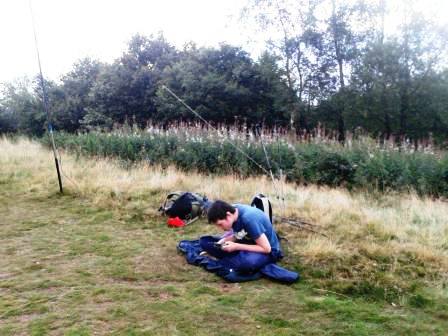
(239, 261)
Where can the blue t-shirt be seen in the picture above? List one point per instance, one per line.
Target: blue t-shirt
(251, 224)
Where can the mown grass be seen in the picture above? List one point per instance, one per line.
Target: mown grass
(98, 260)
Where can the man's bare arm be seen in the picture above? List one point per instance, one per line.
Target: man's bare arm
(262, 246)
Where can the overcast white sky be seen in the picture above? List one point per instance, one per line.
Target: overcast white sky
(69, 30)
(72, 29)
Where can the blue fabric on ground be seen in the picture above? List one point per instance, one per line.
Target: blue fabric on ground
(278, 273)
(239, 261)
(239, 266)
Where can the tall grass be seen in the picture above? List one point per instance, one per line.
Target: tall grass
(317, 135)
(360, 164)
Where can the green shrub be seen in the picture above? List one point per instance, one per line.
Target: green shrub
(361, 166)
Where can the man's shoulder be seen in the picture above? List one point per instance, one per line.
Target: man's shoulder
(244, 208)
(250, 215)
(241, 206)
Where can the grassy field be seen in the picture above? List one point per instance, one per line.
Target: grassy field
(99, 260)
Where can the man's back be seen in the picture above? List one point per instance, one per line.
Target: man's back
(253, 222)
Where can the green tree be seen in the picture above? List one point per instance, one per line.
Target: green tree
(72, 98)
(125, 90)
(21, 107)
(222, 85)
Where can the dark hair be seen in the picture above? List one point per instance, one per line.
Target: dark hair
(219, 210)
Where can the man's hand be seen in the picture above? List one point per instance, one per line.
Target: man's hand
(230, 246)
(262, 246)
(226, 239)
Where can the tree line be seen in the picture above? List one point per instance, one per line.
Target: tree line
(330, 63)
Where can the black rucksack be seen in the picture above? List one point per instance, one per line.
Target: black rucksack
(185, 205)
(261, 202)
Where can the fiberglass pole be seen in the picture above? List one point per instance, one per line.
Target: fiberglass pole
(45, 101)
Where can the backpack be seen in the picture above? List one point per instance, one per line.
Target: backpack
(185, 205)
(261, 202)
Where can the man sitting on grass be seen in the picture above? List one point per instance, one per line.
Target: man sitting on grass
(252, 242)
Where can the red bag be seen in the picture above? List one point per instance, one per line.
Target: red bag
(175, 222)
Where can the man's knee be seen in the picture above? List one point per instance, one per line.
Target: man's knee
(252, 261)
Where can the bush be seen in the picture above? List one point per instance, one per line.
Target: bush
(359, 167)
